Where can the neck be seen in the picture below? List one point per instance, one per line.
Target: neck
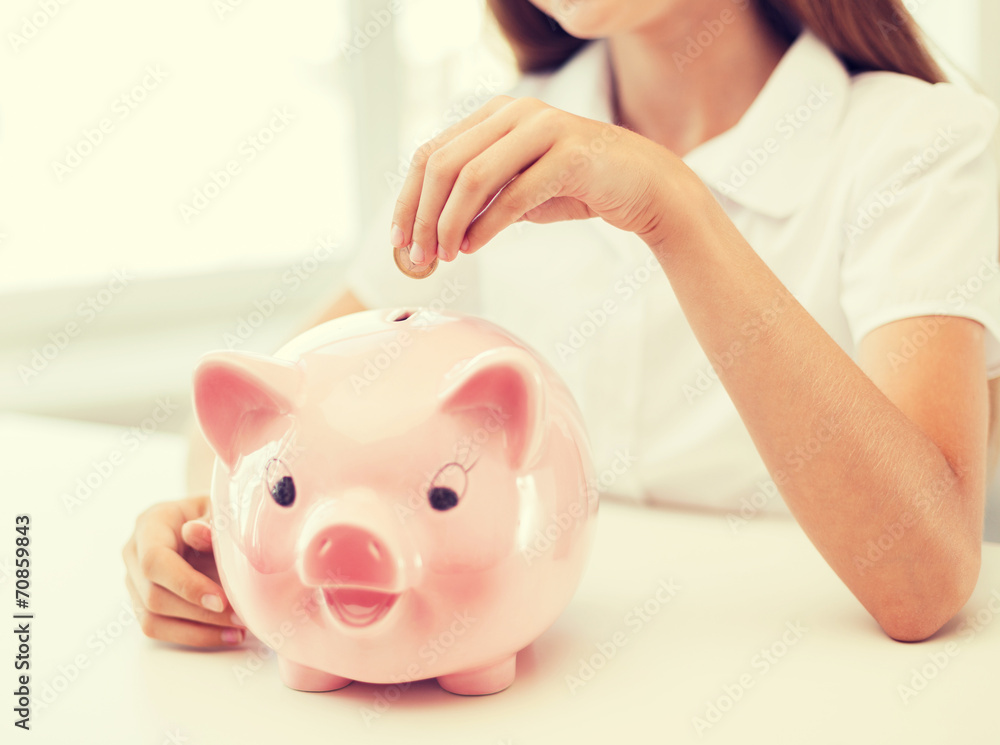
(680, 82)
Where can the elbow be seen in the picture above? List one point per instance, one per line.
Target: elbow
(913, 627)
(923, 609)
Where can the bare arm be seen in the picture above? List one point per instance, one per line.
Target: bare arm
(901, 454)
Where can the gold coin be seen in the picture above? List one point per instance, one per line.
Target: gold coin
(407, 267)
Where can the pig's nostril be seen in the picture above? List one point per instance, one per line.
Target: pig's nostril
(403, 315)
(347, 556)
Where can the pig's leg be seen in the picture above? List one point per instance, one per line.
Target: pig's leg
(303, 678)
(490, 679)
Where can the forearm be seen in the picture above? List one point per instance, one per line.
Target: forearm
(852, 467)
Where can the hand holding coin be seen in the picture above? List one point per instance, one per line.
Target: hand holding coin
(407, 267)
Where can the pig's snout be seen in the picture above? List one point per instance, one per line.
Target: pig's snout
(357, 559)
(346, 555)
(357, 573)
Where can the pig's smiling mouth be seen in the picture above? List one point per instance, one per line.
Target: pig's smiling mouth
(359, 606)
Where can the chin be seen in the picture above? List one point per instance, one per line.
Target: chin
(586, 19)
(596, 19)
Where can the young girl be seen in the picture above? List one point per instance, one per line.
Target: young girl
(790, 286)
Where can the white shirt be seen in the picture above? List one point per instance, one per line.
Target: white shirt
(872, 198)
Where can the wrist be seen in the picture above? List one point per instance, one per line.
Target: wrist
(682, 213)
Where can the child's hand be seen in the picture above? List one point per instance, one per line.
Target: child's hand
(521, 159)
(173, 580)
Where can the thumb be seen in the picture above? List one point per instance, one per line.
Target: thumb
(558, 209)
(197, 534)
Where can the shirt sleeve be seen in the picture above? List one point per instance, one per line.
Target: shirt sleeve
(377, 282)
(921, 230)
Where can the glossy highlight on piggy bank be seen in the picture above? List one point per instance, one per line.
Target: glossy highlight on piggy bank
(397, 495)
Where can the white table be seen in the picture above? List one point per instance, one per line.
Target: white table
(833, 677)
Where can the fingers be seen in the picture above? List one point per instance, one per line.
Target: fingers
(162, 581)
(155, 599)
(158, 599)
(537, 185)
(559, 209)
(164, 567)
(158, 543)
(481, 178)
(471, 167)
(170, 597)
(180, 631)
(408, 202)
(197, 534)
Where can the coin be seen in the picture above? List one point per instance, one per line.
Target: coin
(407, 267)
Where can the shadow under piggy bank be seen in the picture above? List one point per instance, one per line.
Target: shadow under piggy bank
(398, 495)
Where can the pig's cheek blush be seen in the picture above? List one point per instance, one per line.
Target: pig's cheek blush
(267, 530)
(270, 535)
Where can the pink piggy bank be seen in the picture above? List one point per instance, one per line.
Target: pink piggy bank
(398, 495)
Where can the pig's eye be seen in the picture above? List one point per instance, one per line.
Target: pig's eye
(279, 482)
(442, 498)
(447, 487)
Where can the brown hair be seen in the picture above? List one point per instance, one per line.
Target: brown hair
(865, 34)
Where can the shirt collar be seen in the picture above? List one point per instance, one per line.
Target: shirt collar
(780, 145)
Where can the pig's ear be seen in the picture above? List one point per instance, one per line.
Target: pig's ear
(507, 380)
(233, 389)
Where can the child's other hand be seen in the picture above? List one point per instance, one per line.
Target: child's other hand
(172, 578)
